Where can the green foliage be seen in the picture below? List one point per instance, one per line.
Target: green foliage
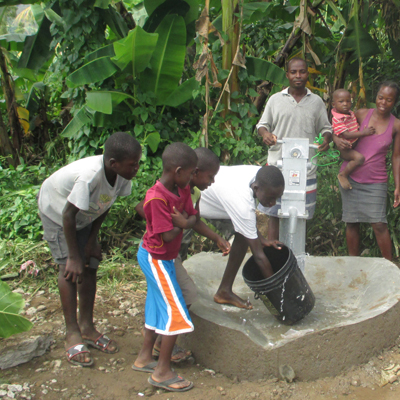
(11, 304)
(18, 209)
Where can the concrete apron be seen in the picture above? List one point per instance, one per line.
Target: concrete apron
(356, 315)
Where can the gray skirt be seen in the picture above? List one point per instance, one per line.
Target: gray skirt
(366, 202)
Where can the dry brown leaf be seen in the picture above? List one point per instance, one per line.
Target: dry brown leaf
(202, 24)
(239, 60)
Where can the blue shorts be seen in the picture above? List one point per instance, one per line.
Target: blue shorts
(311, 201)
(165, 310)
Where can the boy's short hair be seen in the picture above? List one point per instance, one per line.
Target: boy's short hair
(178, 155)
(339, 91)
(270, 176)
(121, 146)
(206, 159)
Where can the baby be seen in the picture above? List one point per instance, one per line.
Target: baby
(344, 123)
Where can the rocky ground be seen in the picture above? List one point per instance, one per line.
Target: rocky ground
(120, 314)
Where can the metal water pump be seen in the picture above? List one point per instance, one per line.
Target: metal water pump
(293, 213)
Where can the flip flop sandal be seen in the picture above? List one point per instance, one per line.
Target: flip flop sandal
(176, 350)
(166, 384)
(101, 343)
(73, 351)
(147, 368)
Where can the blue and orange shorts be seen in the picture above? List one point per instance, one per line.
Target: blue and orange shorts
(165, 310)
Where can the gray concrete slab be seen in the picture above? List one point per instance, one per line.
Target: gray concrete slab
(356, 315)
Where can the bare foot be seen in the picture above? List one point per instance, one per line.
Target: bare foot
(232, 299)
(344, 182)
(72, 340)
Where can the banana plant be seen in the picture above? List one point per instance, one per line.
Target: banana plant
(153, 59)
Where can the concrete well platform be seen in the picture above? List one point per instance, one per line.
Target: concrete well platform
(356, 315)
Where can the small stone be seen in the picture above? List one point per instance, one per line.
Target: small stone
(393, 379)
(40, 370)
(30, 311)
(220, 388)
(111, 360)
(18, 290)
(137, 333)
(101, 368)
(56, 364)
(287, 373)
(15, 388)
(40, 292)
(355, 382)
(254, 395)
(45, 391)
(380, 357)
(3, 393)
(41, 308)
(148, 391)
(133, 311)
(121, 369)
(11, 394)
(223, 393)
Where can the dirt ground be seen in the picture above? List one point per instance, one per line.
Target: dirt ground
(121, 315)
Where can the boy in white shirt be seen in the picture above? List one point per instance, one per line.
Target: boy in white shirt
(233, 198)
(73, 203)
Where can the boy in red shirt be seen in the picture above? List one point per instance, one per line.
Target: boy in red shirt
(168, 209)
(344, 124)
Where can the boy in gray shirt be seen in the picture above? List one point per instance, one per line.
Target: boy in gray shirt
(73, 203)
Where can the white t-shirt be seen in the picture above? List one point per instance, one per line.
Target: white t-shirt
(231, 197)
(84, 184)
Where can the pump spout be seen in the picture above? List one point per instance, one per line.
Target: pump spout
(292, 220)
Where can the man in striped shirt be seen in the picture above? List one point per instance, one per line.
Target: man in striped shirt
(345, 125)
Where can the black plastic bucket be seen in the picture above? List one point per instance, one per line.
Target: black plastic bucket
(286, 294)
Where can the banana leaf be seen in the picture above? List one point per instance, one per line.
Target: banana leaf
(11, 305)
(183, 93)
(101, 52)
(358, 42)
(115, 21)
(265, 70)
(137, 48)
(92, 72)
(36, 51)
(105, 101)
(191, 13)
(168, 59)
(167, 7)
(80, 119)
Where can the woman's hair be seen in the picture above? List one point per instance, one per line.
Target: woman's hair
(392, 85)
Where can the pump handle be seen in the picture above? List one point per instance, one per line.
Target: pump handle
(313, 146)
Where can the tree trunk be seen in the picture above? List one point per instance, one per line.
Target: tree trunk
(13, 120)
(230, 26)
(6, 149)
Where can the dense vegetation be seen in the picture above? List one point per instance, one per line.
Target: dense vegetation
(197, 71)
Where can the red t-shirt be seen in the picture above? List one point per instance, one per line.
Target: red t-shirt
(158, 206)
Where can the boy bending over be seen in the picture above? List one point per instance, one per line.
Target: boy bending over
(233, 197)
(168, 209)
(345, 125)
(73, 203)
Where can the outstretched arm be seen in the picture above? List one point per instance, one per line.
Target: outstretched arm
(204, 230)
(260, 257)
